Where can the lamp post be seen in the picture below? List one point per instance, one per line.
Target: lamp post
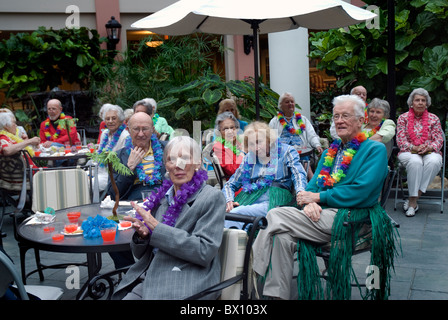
(113, 29)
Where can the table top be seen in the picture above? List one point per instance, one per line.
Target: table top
(74, 156)
(77, 243)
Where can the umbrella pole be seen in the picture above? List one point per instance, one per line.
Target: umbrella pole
(254, 24)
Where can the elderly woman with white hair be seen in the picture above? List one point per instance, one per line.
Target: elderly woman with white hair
(178, 232)
(294, 128)
(113, 138)
(270, 175)
(228, 147)
(420, 140)
(10, 143)
(149, 105)
(379, 127)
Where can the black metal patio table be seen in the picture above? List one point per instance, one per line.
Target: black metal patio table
(34, 236)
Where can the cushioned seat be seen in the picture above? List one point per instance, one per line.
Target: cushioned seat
(60, 189)
(232, 253)
(8, 275)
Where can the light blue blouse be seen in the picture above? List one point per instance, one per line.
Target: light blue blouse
(289, 174)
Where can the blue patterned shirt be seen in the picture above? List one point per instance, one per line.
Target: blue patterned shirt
(290, 173)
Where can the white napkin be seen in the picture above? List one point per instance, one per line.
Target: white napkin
(107, 203)
(41, 218)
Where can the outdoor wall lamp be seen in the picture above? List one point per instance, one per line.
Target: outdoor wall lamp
(113, 29)
(248, 43)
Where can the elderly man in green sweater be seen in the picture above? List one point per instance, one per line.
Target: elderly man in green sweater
(349, 176)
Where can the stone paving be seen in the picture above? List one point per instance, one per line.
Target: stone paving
(421, 270)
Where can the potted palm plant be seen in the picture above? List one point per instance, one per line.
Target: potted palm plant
(112, 162)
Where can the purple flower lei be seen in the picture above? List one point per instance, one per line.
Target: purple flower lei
(158, 158)
(114, 141)
(180, 199)
(264, 181)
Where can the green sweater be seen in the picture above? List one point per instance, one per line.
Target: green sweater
(363, 183)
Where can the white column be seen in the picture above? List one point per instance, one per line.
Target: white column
(289, 66)
(229, 58)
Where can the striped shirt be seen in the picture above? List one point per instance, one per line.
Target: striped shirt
(148, 165)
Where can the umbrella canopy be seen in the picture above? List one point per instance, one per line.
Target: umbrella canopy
(244, 17)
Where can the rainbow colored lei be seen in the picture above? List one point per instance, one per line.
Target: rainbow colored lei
(374, 130)
(328, 179)
(290, 127)
(158, 158)
(264, 181)
(58, 129)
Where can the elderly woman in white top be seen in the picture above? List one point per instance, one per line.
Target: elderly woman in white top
(113, 138)
(293, 128)
(379, 127)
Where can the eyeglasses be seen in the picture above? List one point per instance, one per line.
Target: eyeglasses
(343, 117)
(228, 128)
(144, 130)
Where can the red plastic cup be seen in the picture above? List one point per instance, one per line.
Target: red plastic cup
(37, 153)
(73, 217)
(125, 224)
(49, 229)
(57, 237)
(108, 234)
(71, 227)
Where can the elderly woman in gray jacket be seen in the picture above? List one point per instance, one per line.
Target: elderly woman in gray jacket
(178, 232)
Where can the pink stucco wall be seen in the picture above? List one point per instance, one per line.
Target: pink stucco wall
(104, 10)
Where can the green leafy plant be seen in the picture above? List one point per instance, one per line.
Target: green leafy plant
(359, 55)
(198, 99)
(182, 76)
(67, 124)
(113, 163)
(143, 72)
(39, 60)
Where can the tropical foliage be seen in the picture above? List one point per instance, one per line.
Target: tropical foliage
(39, 60)
(358, 55)
(182, 77)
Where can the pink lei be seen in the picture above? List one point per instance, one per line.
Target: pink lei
(411, 128)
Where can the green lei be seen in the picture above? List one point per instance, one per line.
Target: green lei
(229, 145)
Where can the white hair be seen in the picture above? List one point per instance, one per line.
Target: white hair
(358, 103)
(380, 104)
(112, 107)
(6, 119)
(149, 103)
(420, 92)
(282, 97)
(183, 142)
(226, 115)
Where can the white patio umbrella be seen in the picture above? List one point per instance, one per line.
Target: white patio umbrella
(245, 17)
